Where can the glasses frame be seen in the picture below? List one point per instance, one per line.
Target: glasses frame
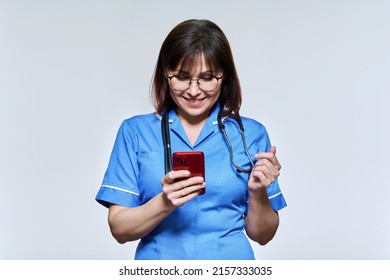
(193, 80)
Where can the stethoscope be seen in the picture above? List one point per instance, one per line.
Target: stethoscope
(167, 143)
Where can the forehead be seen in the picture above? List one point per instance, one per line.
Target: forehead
(192, 66)
(196, 64)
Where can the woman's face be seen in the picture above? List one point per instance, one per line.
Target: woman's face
(194, 104)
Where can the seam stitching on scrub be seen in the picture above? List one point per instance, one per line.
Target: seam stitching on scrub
(119, 189)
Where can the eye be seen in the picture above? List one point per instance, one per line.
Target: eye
(206, 78)
(182, 77)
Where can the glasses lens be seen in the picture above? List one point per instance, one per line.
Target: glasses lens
(179, 83)
(206, 84)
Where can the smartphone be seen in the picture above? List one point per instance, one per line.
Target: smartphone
(192, 161)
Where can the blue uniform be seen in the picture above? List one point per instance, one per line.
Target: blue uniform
(210, 226)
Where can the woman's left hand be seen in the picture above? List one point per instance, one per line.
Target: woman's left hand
(265, 171)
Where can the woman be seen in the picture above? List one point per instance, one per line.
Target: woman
(195, 83)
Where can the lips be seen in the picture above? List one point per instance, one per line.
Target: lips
(195, 101)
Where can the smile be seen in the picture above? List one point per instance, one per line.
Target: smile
(194, 101)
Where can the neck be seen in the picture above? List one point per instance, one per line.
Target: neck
(192, 127)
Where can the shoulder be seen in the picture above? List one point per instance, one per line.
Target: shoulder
(141, 121)
(149, 117)
(252, 124)
(256, 132)
(136, 125)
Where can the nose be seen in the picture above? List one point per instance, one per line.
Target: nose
(194, 88)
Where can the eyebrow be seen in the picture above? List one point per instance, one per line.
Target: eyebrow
(188, 73)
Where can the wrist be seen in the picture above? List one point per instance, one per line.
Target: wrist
(167, 204)
(258, 195)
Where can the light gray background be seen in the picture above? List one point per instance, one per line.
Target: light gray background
(315, 73)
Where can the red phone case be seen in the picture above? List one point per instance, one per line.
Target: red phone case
(192, 161)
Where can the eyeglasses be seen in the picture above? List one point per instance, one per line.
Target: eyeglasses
(205, 83)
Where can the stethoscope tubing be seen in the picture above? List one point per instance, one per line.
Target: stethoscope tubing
(168, 151)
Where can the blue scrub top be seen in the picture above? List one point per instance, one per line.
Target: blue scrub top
(210, 226)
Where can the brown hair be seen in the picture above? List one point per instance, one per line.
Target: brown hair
(183, 45)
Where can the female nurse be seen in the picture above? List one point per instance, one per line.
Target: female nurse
(196, 86)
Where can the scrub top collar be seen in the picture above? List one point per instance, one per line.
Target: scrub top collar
(209, 127)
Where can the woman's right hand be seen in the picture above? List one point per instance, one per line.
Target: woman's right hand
(178, 188)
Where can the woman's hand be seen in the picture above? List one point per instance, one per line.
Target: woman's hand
(178, 188)
(266, 170)
(262, 221)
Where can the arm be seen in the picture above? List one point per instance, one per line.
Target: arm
(129, 224)
(262, 221)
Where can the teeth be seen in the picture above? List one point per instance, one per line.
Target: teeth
(193, 100)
